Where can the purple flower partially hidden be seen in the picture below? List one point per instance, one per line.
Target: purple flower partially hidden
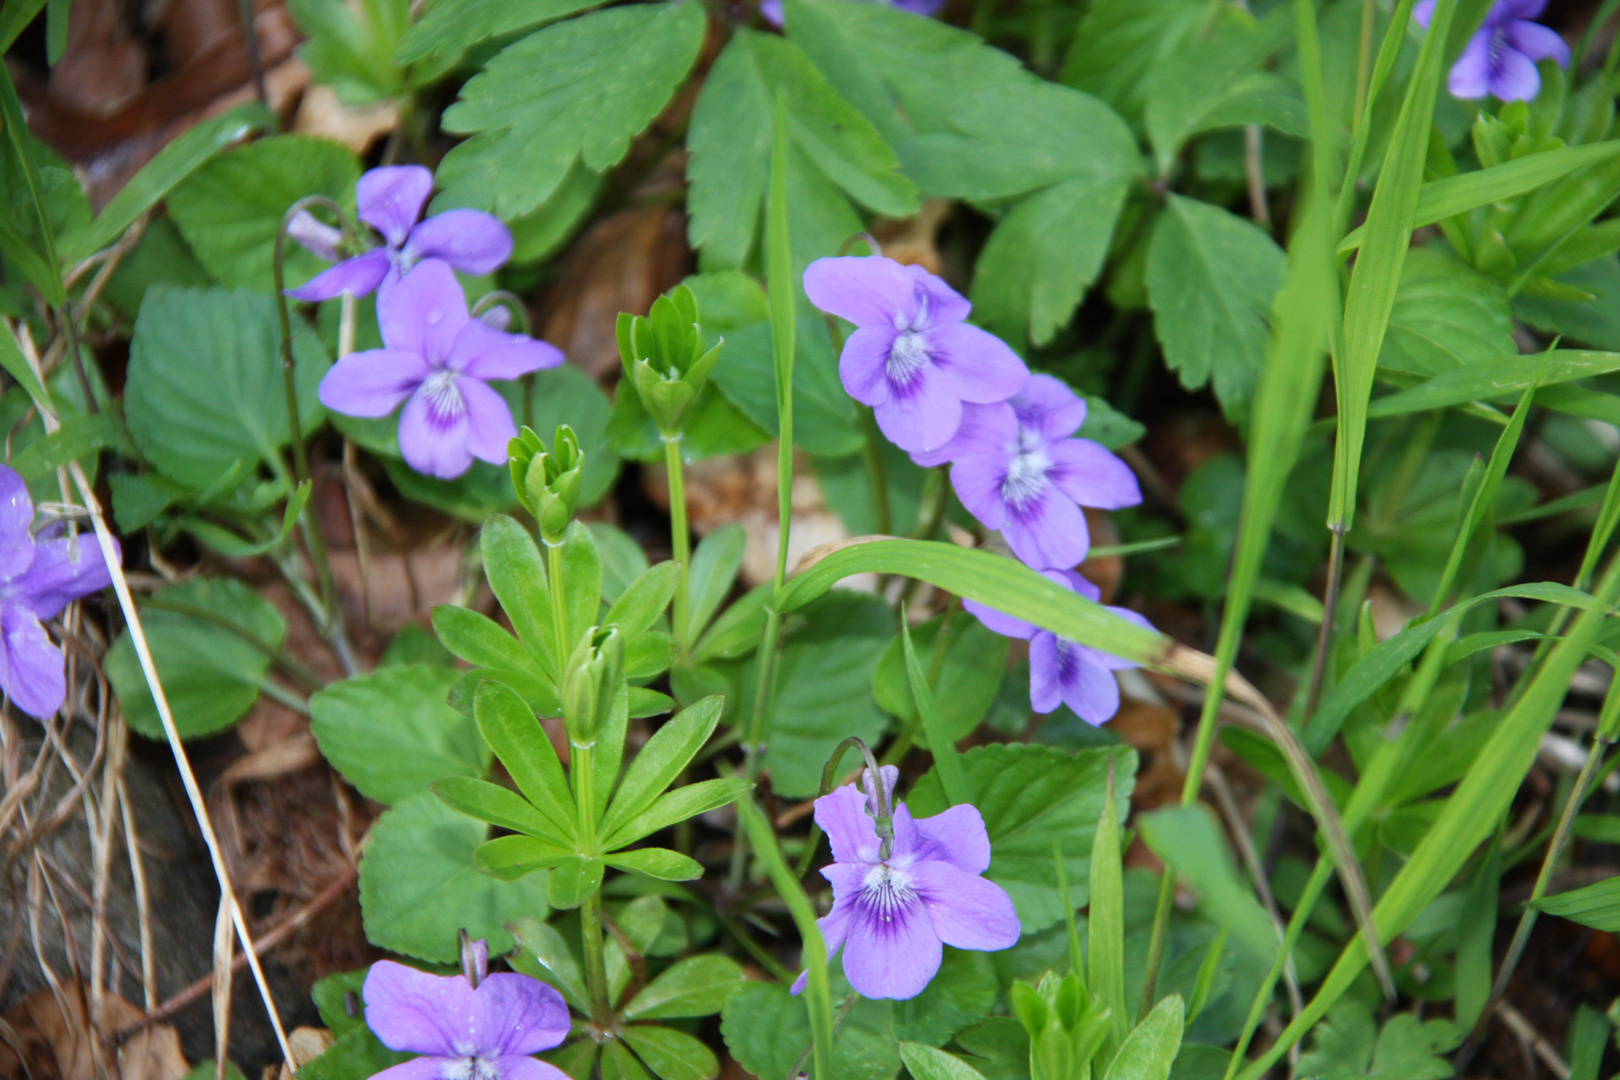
(912, 357)
(465, 1032)
(390, 200)
(771, 10)
(1062, 671)
(438, 361)
(892, 917)
(1017, 468)
(1500, 59)
(38, 578)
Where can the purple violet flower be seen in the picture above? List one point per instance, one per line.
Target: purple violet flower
(390, 200)
(1062, 671)
(39, 576)
(438, 360)
(771, 10)
(479, 1028)
(1017, 468)
(912, 359)
(892, 916)
(1500, 59)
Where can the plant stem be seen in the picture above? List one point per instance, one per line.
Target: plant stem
(559, 610)
(876, 474)
(680, 539)
(838, 1020)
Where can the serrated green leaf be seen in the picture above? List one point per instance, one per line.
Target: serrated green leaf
(1211, 278)
(1033, 797)
(231, 208)
(210, 674)
(1446, 315)
(404, 710)
(962, 993)
(449, 28)
(419, 886)
(576, 91)
(766, 1029)
(205, 386)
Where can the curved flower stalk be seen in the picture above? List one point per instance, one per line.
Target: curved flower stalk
(1500, 59)
(39, 576)
(391, 200)
(472, 1026)
(893, 915)
(437, 360)
(912, 358)
(1017, 467)
(1062, 671)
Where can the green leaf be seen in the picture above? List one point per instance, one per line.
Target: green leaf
(573, 880)
(419, 885)
(676, 806)
(497, 805)
(231, 208)
(975, 660)
(618, 1063)
(714, 570)
(205, 386)
(1596, 905)
(516, 856)
(1497, 379)
(661, 760)
(510, 729)
(1105, 967)
(823, 689)
(1033, 797)
(1122, 44)
(1594, 322)
(391, 734)
(1189, 840)
(79, 438)
(926, 1063)
(210, 671)
(824, 416)
(671, 1054)
(1151, 1048)
(837, 155)
(766, 1029)
(576, 91)
(1446, 315)
(158, 177)
(339, 1001)
(449, 28)
(478, 639)
(654, 862)
(1211, 278)
(946, 760)
(622, 559)
(695, 986)
(542, 953)
(350, 47)
(990, 579)
(962, 993)
(356, 1055)
(644, 599)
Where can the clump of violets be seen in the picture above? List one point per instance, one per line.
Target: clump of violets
(472, 1026)
(437, 360)
(1500, 59)
(39, 576)
(1063, 671)
(1017, 467)
(390, 200)
(912, 358)
(894, 910)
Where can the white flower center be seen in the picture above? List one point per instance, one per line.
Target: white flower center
(887, 890)
(444, 396)
(469, 1068)
(910, 353)
(1026, 471)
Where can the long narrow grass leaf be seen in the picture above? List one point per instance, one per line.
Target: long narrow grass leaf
(951, 776)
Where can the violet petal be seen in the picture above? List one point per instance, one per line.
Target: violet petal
(33, 676)
(981, 368)
(469, 240)
(967, 911)
(391, 199)
(16, 517)
(424, 312)
(415, 1012)
(867, 290)
(891, 952)
(956, 836)
(358, 276)
(372, 383)
(433, 433)
(1092, 475)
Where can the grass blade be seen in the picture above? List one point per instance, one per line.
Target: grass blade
(951, 777)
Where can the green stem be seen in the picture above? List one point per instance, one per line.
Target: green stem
(596, 981)
(680, 539)
(876, 474)
(559, 610)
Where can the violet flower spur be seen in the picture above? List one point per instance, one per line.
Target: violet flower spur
(1500, 59)
(479, 1028)
(1063, 671)
(39, 576)
(1017, 468)
(912, 357)
(891, 917)
(437, 360)
(390, 200)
